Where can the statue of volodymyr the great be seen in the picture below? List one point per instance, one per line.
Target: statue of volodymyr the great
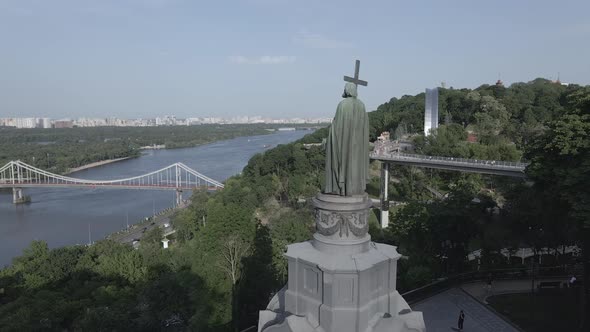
(347, 147)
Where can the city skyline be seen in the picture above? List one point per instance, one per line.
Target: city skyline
(168, 120)
(141, 59)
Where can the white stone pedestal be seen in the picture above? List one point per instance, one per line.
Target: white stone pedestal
(340, 281)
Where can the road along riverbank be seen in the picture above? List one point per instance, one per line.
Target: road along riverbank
(95, 164)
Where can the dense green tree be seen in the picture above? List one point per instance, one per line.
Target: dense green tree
(410, 228)
(153, 236)
(259, 279)
(450, 141)
(291, 226)
(490, 119)
(187, 222)
(561, 164)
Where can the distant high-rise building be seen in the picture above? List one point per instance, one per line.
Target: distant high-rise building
(26, 122)
(44, 123)
(431, 110)
(63, 124)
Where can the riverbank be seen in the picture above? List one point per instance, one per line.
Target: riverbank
(64, 216)
(95, 164)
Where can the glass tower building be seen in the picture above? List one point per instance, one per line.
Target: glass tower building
(431, 111)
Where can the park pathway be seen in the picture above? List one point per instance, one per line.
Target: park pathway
(479, 291)
(441, 313)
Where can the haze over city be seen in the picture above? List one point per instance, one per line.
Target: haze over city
(140, 59)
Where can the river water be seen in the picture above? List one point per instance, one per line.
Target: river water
(72, 216)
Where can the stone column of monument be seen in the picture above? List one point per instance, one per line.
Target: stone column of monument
(341, 281)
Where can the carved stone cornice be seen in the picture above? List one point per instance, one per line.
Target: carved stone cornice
(330, 222)
(342, 218)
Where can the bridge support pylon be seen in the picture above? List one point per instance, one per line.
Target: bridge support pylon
(178, 197)
(384, 215)
(18, 197)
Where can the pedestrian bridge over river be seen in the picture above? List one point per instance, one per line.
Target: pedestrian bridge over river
(178, 176)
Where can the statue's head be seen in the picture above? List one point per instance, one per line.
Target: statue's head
(349, 90)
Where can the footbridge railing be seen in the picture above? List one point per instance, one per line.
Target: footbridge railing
(178, 176)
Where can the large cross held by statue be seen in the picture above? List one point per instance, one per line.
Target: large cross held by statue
(355, 79)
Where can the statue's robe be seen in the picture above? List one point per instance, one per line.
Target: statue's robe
(347, 147)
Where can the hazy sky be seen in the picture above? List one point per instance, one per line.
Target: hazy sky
(280, 58)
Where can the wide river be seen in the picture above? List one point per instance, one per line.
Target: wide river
(71, 216)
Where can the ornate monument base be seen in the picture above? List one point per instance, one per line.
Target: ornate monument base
(340, 281)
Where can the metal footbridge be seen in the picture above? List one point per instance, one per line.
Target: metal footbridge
(493, 167)
(178, 176)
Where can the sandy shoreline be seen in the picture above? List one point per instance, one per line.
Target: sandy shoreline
(95, 164)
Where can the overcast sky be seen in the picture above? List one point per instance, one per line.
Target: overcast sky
(279, 58)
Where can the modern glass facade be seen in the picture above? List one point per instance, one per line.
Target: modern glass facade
(431, 110)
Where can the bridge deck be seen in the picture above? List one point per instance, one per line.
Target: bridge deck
(504, 168)
(178, 176)
(102, 186)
